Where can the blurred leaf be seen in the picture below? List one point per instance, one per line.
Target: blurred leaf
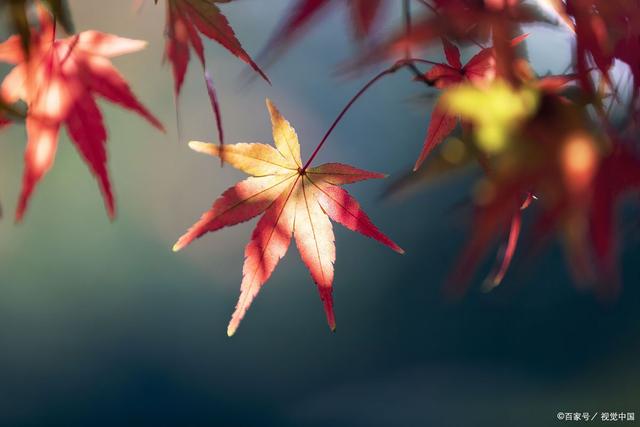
(496, 111)
(364, 14)
(480, 70)
(19, 16)
(187, 20)
(454, 157)
(458, 20)
(555, 155)
(58, 82)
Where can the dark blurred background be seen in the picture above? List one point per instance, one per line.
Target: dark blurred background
(101, 324)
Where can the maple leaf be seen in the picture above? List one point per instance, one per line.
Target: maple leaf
(501, 196)
(295, 201)
(503, 110)
(480, 70)
(20, 22)
(58, 82)
(508, 248)
(186, 20)
(605, 30)
(460, 20)
(618, 176)
(363, 16)
(555, 154)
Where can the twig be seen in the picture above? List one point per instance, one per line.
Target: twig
(408, 62)
(395, 67)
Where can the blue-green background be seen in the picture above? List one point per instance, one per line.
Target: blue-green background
(101, 324)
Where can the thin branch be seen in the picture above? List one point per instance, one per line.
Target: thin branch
(408, 62)
(406, 12)
(395, 67)
(426, 61)
(428, 5)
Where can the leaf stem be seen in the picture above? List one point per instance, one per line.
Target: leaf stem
(429, 6)
(395, 67)
(406, 12)
(407, 62)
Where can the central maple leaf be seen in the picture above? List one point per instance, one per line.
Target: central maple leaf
(58, 81)
(296, 201)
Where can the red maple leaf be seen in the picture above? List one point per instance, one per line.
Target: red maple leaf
(460, 20)
(618, 177)
(479, 70)
(58, 82)
(578, 176)
(363, 16)
(294, 201)
(186, 21)
(605, 30)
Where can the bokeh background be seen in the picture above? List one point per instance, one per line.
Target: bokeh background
(101, 324)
